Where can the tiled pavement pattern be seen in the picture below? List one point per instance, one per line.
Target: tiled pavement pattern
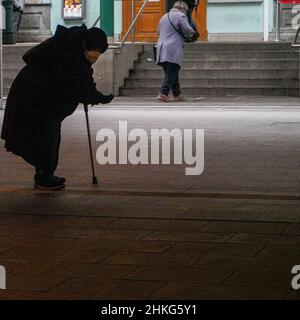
(233, 232)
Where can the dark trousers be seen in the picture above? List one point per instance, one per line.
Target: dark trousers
(190, 18)
(16, 21)
(49, 152)
(171, 82)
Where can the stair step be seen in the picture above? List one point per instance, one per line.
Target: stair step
(233, 55)
(10, 74)
(220, 73)
(7, 82)
(223, 69)
(232, 46)
(235, 64)
(216, 91)
(17, 49)
(13, 60)
(6, 91)
(239, 55)
(199, 83)
(209, 68)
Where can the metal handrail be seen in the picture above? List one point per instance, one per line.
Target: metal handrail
(96, 22)
(120, 45)
(277, 22)
(133, 23)
(296, 44)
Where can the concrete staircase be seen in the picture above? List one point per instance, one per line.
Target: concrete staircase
(12, 63)
(223, 69)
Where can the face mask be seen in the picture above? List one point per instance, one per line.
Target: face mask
(92, 56)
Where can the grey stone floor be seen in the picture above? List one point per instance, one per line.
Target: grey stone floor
(150, 232)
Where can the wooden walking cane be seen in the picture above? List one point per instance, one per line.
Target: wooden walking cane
(86, 111)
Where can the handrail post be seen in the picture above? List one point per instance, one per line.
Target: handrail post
(1, 60)
(299, 74)
(96, 22)
(133, 23)
(296, 46)
(295, 43)
(277, 25)
(131, 28)
(266, 19)
(132, 19)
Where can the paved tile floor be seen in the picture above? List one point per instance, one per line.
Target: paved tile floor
(150, 232)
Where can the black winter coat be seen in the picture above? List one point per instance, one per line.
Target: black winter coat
(56, 78)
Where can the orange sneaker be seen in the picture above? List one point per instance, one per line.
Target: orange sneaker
(179, 98)
(164, 98)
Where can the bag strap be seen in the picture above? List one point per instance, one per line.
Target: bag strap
(177, 30)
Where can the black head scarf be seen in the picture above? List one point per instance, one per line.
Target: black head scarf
(95, 38)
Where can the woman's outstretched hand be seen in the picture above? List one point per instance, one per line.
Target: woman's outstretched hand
(106, 98)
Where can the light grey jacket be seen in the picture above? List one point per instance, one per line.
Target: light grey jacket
(19, 4)
(170, 43)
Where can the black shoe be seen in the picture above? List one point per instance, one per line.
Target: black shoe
(58, 179)
(48, 183)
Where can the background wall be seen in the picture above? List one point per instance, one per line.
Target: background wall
(118, 18)
(237, 16)
(223, 16)
(92, 13)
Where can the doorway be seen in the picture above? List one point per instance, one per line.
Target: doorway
(146, 26)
